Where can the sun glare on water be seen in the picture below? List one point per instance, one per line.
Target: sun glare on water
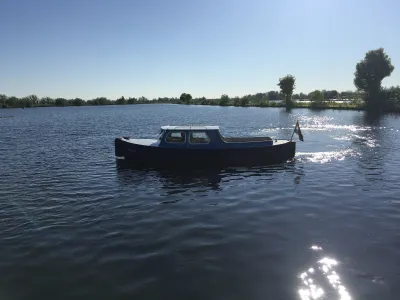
(322, 281)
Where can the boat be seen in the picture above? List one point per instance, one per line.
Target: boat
(203, 146)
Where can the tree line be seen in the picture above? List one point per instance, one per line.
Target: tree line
(369, 93)
(258, 99)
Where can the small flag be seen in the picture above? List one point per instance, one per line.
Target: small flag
(298, 131)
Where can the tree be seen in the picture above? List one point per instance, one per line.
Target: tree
(121, 100)
(330, 94)
(132, 100)
(369, 74)
(392, 96)
(303, 96)
(3, 99)
(33, 99)
(244, 101)
(287, 85)
(317, 96)
(185, 98)
(46, 101)
(236, 101)
(273, 95)
(258, 98)
(100, 101)
(61, 102)
(26, 102)
(224, 101)
(78, 102)
(12, 101)
(317, 99)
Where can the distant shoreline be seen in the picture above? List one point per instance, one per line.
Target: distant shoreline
(276, 103)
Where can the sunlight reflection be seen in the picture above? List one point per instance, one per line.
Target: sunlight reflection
(321, 127)
(316, 248)
(326, 156)
(368, 141)
(322, 279)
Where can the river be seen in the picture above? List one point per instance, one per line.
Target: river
(76, 225)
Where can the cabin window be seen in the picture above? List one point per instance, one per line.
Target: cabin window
(199, 137)
(176, 137)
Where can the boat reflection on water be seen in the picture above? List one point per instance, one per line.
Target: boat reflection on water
(210, 177)
(128, 174)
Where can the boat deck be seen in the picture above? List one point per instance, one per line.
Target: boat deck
(155, 143)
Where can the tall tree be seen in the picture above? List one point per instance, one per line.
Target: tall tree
(185, 98)
(287, 85)
(369, 74)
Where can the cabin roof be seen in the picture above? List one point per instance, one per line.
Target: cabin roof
(190, 127)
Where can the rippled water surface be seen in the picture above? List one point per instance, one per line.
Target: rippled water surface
(77, 225)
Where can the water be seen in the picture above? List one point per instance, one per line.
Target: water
(75, 225)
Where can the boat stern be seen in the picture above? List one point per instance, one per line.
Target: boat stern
(286, 149)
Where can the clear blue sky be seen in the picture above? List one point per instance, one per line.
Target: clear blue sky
(154, 48)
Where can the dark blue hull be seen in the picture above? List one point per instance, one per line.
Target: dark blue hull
(148, 156)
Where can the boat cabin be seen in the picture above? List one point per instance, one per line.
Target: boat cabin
(205, 137)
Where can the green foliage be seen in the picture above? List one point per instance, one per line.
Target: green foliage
(78, 102)
(317, 96)
(61, 102)
(244, 101)
(369, 74)
(26, 102)
(273, 95)
(13, 102)
(317, 99)
(203, 101)
(320, 99)
(47, 101)
(330, 94)
(236, 101)
(100, 101)
(185, 98)
(3, 99)
(392, 96)
(287, 84)
(33, 100)
(132, 100)
(121, 101)
(224, 101)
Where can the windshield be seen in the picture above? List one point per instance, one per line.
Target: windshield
(160, 135)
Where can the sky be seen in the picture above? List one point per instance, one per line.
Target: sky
(160, 48)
